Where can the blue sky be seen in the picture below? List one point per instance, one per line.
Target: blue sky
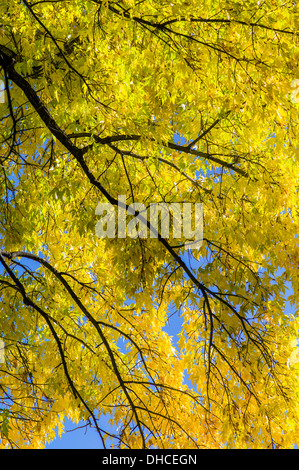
(76, 437)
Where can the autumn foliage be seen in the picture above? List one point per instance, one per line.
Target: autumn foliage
(162, 102)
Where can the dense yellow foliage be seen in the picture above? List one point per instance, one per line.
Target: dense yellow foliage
(161, 102)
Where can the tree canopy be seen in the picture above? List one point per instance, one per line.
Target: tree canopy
(183, 102)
